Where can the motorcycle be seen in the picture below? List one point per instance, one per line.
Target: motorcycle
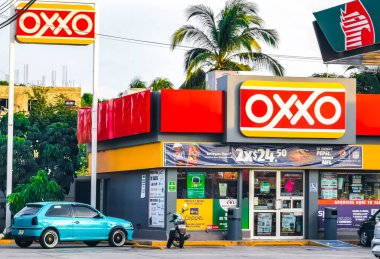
(177, 235)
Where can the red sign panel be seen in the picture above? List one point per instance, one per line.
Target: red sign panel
(357, 26)
(56, 23)
(292, 109)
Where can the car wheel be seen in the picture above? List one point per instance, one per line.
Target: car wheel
(91, 243)
(364, 239)
(49, 238)
(23, 243)
(117, 237)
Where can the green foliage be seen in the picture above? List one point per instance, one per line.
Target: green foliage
(45, 139)
(327, 75)
(161, 83)
(4, 83)
(83, 161)
(24, 164)
(227, 41)
(137, 83)
(86, 100)
(367, 82)
(39, 188)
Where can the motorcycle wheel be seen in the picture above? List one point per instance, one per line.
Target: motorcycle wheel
(181, 240)
(170, 239)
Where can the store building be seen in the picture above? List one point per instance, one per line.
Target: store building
(281, 149)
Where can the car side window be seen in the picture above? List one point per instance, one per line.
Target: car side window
(59, 211)
(84, 212)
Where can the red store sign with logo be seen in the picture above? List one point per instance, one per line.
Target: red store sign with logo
(292, 109)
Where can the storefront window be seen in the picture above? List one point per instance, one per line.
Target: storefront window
(207, 185)
(208, 195)
(291, 184)
(349, 186)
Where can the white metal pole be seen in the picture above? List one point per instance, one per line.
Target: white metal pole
(12, 53)
(94, 139)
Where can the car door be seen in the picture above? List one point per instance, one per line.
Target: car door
(371, 223)
(88, 224)
(60, 217)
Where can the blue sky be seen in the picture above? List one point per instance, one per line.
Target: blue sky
(156, 20)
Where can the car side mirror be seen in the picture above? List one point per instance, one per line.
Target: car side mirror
(99, 216)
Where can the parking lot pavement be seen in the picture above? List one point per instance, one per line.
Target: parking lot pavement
(67, 251)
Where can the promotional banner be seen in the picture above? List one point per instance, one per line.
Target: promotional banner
(284, 156)
(199, 213)
(157, 198)
(196, 185)
(350, 213)
(220, 212)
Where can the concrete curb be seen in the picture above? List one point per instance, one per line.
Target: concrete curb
(224, 243)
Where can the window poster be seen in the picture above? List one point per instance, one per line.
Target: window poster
(196, 185)
(288, 222)
(264, 187)
(329, 186)
(157, 198)
(264, 223)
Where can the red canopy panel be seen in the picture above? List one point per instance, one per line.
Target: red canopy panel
(368, 114)
(121, 117)
(192, 111)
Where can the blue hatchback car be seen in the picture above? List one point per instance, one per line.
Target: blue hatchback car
(53, 222)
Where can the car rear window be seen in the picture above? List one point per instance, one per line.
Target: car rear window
(29, 210)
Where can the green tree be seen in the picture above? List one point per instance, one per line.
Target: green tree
(83, 161)
(137, 83)
(86, 100)
(367, 79)
(327, 75)
(39, 188)
(58, 154)
(228, 41)
(24, 164)
(161, 83)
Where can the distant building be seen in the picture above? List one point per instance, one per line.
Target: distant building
(22, 102)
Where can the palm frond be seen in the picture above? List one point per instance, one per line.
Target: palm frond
(193, 35)
(270, 37)
(235, 66)
(261, 61)
(195, 80)
(194, 57)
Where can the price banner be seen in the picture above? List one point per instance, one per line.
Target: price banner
(308, 156)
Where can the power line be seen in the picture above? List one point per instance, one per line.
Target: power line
(183, 47)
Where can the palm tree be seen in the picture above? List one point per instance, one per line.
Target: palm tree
(229, 41)
(161, 83)
(137, 83)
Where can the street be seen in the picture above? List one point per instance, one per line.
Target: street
(81, 252)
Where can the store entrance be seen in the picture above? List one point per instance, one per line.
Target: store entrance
(278, 204)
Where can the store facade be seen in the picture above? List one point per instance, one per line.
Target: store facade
(280, 149)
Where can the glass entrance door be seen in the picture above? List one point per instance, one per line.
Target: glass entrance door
(277, 199)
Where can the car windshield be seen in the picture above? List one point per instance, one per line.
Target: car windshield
(29, 210)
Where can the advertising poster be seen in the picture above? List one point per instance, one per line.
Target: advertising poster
(157, 212)
(280, 155)
(157, 198)
(351, 213)
(264, 224)
(196, 185)
(329, 186)
(199, 213)
(288, 222)
(220, 209)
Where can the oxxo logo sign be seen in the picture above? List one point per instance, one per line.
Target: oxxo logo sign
(56, 23)
(292, 109)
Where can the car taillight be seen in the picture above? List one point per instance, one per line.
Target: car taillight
(182, 222)
(34, 221)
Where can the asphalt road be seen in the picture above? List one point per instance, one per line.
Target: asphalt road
(104, 252)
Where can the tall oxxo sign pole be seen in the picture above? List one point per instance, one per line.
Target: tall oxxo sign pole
(62, 22)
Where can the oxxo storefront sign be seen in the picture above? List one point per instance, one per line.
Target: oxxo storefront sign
(56, 23)
(292, 109)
